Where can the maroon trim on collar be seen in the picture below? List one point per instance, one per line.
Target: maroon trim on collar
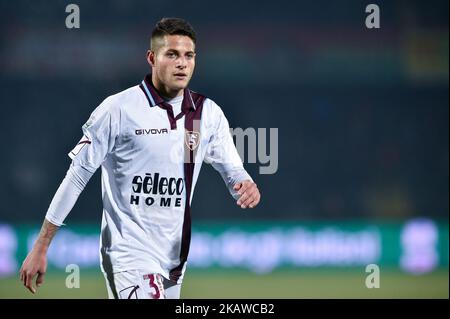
(197, 98)
(148, 83)
(145, 93)
(191, 100)
(169, 110)
(187, 101)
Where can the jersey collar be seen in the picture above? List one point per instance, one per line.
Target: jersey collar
(154, 98)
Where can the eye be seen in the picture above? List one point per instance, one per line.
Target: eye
(190, 55)
(170, 55)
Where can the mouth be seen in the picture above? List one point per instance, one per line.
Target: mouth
(180, 76)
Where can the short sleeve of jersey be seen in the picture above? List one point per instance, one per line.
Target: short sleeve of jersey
(99, 136)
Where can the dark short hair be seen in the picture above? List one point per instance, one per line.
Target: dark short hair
(173, 26)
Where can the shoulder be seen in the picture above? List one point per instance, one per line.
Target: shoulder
(122, 98)
(210, 107)
(213, 116)
(114, 103)
(213, 111)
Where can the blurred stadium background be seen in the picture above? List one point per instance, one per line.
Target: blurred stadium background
(363, 142)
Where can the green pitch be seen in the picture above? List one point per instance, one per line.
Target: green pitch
(240, 284)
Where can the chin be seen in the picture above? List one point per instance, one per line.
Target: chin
(180, 86)
(176, 89)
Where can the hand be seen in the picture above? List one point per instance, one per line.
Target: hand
(249, 194)
(35, 263)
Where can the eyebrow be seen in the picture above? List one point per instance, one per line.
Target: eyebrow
(176, 51)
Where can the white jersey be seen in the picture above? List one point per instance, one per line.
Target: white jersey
(150, 160)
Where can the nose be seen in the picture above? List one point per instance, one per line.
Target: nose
(181, 62)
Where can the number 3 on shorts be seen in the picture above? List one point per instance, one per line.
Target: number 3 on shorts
(156, 286)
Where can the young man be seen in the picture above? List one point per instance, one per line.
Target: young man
(150, 141)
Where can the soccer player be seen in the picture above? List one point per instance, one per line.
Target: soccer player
(150, 141)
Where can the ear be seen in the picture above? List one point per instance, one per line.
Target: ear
(151, 58)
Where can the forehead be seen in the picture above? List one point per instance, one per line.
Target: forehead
(178, 42)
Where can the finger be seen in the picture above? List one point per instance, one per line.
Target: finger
(40, 279)
(21, 273)
(245, 196)
(251, 191)
(249, 200)
(29, 282)
(256, 201)
(237, 186)
(244, 187)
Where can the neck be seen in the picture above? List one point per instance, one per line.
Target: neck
(163, 89)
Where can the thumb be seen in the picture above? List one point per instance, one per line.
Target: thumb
(40, 279)
(237, 186)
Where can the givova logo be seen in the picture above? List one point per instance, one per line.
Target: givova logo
(155, 185)
(151, 131)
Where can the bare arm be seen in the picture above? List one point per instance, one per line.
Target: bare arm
(100, 134)
(36, 261)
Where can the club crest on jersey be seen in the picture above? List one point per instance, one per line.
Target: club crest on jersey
(192, 139)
